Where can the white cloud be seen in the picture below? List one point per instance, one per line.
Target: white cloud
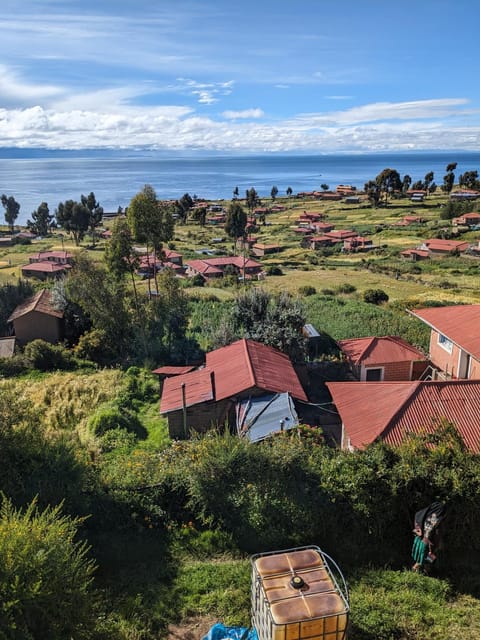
(177, 127)
(416, 109)
(14, 90)
(246, 113)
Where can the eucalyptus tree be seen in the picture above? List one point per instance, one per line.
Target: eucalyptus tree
(12, 209)
(74, 217)
(42, 220)
(406, 182)
(96, 213)
(274, 193)
(252, 199)
(150, 221)
(449, 177)
(235, 222)
(388, 181)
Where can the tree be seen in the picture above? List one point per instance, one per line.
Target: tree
(274, 193)
(42, 220)
(183, 206)
(324, 187)
(74, 217)
(449, 178)
(11, 295)
(428, 181)
(150, 221)
(372, 190)
(388, 181)
(235, 193)
(406, 182)
(235, 222)
(103, 299)
(469, 179)
(120, 256)
(274, 320)
(12, 209)
(95, 211)
(448, 181)
(289, 191)
(45, 574)
(252, 199)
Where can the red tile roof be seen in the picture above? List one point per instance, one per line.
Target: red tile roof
(458, 323)
(46, 267)
(237, 368)
(41, 302)
(391, 410)
(341, 234)
(446, 245)
(379, 350)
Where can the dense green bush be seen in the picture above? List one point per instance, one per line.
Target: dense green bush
(44, 356)
(44, 575)
(375, 296)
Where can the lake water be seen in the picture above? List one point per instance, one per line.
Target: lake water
(115, 177)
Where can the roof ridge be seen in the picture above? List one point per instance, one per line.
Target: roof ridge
(249, 362)
(416, 385)
(368, 347)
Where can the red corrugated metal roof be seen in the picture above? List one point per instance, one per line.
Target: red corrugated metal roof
(367, 407)
(237, 368)
(458, 323)
(198, 388)
(379, 350)
(247, 363)
(41, 302)
(391, 410)
(457, 401)
(172, 370)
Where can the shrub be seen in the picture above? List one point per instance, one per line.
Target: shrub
(375, 296)
(44, 575)
(111, 417)
(44, 356)
(307, 290)
(274, 270)
(327, 292)
(197, 281)
(346, 288)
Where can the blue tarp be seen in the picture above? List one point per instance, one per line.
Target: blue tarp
(220, 632)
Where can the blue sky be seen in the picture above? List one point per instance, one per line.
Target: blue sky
(246, 76)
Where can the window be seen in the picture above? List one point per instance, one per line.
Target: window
(445, 343)
(374, 375)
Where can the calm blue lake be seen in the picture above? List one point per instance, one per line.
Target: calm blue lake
(115, 177)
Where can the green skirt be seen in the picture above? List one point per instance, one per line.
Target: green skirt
(419, 550)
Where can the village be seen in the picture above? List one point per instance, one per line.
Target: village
(354, 333)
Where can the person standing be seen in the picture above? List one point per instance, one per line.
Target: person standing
(426, 535)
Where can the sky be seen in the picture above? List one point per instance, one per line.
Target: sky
(250, 76)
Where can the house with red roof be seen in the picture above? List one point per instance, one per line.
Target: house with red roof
(454, 340)
(47, 264)
(358, 243)
(211, 268)
(37, 317)
(415, 254)
(386, 358)
(207, 397)
(439, 247)
(467, 219)
(391, 411)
